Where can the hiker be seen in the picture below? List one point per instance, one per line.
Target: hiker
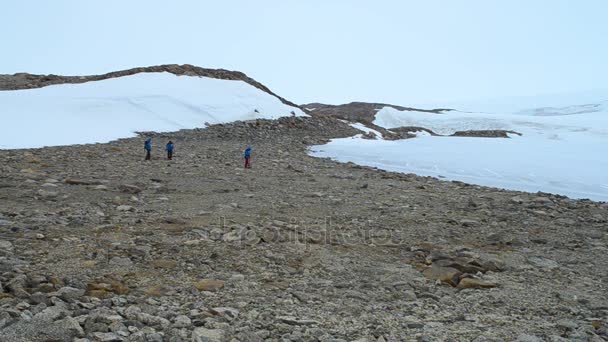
(169, 149)
(248, 157)
(148, 147)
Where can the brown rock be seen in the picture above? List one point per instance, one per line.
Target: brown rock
(445, 274)
(209, 285)
(155, 291)
(164, 263)
(472, 283)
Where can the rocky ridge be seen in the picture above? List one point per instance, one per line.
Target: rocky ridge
(30, 81)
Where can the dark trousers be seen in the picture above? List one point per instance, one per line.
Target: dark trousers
(147, 154)
(169, 155)
(247, 162)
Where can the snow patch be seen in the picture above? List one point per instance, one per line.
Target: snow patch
(561, 153)
(106, 110)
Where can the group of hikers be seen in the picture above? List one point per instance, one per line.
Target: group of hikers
(170, 147)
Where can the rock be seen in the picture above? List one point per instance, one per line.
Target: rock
(132, 312)
(237, 277)
(543, 262)
(17, 286)
(153, 320)
(231, 237)
(469, 223)
(73, 181)
(182, 321)
(517, 200)
(567, 324)
(409, 295)
(36, 329)
(543, 200)
(174, 220)
(154, 337)
(69, 293)
(6, 247)
(229, 313)
(101, 187)
(120, 262)
(135, 313)
(208, 335)
(44, 194)
(209, 285)
(167, 264)
(107, 337)
(472, 283)
(291, 320)
(125, 208)
(5, 223)
(192, 242)
(528, 338)
(445, 274)
(461, 264)
(129, 189)
(71, 326)
(22, 306)
(106, 316)
(502, 239)
(51, 313)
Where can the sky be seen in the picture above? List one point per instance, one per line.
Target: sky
(333, 51)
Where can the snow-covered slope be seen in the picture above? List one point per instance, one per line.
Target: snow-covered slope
(547, 121)
(562, 149)
(115, 108)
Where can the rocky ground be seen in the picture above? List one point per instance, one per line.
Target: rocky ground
(98, 245)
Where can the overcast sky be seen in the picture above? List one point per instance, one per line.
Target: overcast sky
(334, 51)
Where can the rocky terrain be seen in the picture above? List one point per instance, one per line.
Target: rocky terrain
(365, 113)
(98, 245)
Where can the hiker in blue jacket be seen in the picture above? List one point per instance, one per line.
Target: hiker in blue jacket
(247, 157)
(169, 149)
(148, 147)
